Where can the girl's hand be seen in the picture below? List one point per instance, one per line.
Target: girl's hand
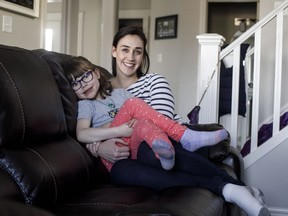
(125, 130)
(132, 123)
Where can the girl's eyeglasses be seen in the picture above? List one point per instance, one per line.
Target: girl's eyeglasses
(86, 78)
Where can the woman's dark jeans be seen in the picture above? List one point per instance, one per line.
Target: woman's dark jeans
(191, 169)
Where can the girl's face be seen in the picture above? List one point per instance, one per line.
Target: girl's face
(129, 55)
(87, 85)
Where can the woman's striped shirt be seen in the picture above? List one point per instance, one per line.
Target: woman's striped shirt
(154, 89)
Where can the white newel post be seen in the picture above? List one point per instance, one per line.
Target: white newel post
(210, 46)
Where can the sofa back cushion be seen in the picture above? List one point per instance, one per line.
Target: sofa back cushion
(67, 95)
(31, 109)
(36, 151)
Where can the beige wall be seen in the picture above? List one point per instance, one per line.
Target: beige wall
(180, 55)
(26, 31)
(134, 4)
(92, 26)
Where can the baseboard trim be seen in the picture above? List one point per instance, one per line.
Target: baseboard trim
(278, 212)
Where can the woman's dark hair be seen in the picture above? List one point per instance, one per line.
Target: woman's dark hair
(129, 30)
(77, 66)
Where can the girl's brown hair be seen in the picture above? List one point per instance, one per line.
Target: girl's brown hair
(77, 66)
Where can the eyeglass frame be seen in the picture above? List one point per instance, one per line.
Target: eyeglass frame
(82, 80)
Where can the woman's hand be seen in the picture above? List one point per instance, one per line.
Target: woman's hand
(109, 150)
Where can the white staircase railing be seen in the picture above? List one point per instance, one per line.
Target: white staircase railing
(210, 55)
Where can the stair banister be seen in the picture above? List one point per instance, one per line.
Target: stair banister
(211, 54)
(235, 96)
(261, 23)
(256, 89)
(278, 73)
(210, 46)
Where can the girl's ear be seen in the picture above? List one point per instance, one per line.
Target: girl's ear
(97, 73)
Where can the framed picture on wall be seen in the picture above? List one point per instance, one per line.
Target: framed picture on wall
(27, 7)
(166, 27)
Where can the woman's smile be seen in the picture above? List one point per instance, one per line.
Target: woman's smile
(130, 65)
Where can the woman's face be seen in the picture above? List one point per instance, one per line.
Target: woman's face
(87, 85)
(129, 55)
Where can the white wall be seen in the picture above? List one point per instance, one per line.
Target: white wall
(179, 56)
(91, 28)
(26, 31)
(270, 174)
(134, 4)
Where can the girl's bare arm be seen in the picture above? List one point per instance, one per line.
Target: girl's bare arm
(86, 134)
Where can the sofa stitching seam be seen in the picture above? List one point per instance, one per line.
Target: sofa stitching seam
(97, 203)
(49, 168)
(20, 102)
(73, 144)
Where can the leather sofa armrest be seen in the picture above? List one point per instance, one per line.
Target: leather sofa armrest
(222, 152)
(235, 160)
(8, 188)
(219, 151)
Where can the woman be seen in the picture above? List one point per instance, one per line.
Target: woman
(130, 66)
(130, 71)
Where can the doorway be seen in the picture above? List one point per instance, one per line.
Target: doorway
(231, 19)
(224, 18)
(139, 18)
(130, 22)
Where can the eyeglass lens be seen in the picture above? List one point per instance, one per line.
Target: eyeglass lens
(86, 77)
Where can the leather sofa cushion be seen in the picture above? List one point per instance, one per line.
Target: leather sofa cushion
(137, 201)
(36, 151)
(31, 108)
(68, 97)
(49, 172)
(12, 208)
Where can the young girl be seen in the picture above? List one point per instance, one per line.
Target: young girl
(115, 113)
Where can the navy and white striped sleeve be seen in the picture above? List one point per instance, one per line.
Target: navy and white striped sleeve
(154, 89)
(161, 95)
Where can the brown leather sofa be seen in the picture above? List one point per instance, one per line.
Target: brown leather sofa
(45, 171)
